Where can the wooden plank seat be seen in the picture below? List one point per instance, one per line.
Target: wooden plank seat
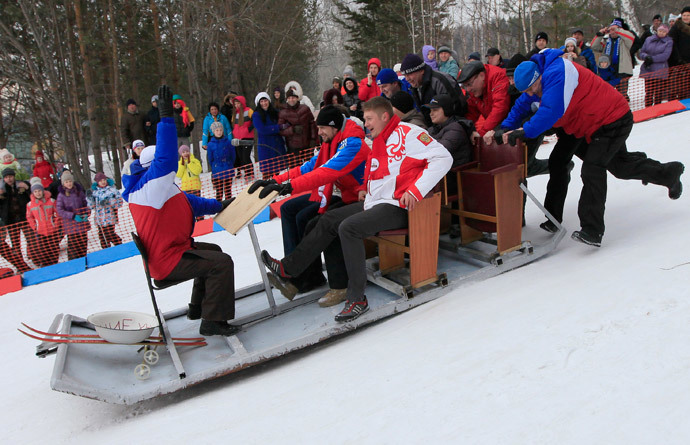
(419, 241)
(488, 196)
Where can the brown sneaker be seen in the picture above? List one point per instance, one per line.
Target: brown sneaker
(285, 287)
(333, 297)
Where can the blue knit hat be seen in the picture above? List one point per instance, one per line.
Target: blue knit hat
(525, 75)
(386, 75)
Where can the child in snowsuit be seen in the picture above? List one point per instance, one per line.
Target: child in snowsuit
(43, 169)
(605, 71)
(188, 170)
(8, 161)
(43, 219)
(105, 199)
(72, 208)
(221, 158)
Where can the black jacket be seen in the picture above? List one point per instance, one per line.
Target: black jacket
(154, 117)
(433, 83)
(13, 204)
(680, 33)
(455, 137)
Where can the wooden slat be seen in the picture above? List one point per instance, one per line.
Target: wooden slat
(243, 210)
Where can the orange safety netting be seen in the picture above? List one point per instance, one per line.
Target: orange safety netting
(656, 87)
(22, 249)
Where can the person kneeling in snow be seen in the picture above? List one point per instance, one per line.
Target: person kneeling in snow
(164, 218)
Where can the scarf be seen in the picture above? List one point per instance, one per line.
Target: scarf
(613, 51)
(378, 167)
(185, 113)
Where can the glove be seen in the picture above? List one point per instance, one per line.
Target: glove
(498, 136)
(284, 126)
(648, 61)
(79, 218)
(513, 136)
(282, 189)
(297, 129)
(260, 183)
(165, 102)
(226, 203)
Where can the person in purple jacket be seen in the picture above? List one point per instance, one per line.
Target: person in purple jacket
(655, 52)
(74, 211)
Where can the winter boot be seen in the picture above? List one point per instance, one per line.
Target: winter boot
(333, 297)
(209, 328)
(352, 310)
(548, 226)
(586, 238)
(285, 287)
(673, 171)
(275, 266)
(194, 311)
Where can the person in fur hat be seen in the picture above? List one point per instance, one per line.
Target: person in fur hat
(105, 199)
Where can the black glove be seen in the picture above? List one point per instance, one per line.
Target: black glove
(165, 102)
(297, 129)
(648, 61)
(226, 203)
(513, 136)
(282, 189)
(498, 136)
(260, 183)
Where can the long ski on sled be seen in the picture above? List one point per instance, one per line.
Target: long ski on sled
(97, 337)
(96, 341)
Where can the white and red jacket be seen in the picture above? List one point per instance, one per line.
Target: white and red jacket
(404, 158)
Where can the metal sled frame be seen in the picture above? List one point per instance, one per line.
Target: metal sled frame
(269, 331)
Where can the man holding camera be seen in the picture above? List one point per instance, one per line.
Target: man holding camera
(615, 42)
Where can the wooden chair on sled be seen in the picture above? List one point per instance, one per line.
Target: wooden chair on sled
(419, 241)
(488, 195)
(162, 325)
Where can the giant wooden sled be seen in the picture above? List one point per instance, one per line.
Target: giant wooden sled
(272, 326)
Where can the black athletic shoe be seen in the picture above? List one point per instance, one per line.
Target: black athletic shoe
(275, 266)
(352, 310)
(548, 226)
(674, 170)
(586, 238)
(194, 311)
(209, 328)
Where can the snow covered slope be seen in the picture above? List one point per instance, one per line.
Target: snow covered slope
(584, 346)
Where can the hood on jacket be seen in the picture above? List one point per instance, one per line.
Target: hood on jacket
(76, 186)
(425, 51)
(46, 196)
(241, 100)
(94, 186)
(375, 61)
(354, 90)
(298, 88)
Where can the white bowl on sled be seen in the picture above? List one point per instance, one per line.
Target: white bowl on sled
(123, 327)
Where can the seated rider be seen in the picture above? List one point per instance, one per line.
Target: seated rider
(339, 163)
(164, 219)
(404, 165)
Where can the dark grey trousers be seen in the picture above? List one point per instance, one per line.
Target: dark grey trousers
(352, 223)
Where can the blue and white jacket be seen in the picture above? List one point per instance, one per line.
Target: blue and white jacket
(162, 213)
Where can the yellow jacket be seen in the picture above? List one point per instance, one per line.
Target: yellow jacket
(189, 173)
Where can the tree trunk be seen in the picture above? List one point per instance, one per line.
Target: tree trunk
(157, 41)
(91, 112)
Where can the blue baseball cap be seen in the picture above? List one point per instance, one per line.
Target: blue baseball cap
(386, 75)
(525, 75)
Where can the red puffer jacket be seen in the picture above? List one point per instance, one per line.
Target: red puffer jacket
(42, 215)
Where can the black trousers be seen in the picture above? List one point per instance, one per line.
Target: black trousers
(352, 224)
(214, 280)
(606, 152)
